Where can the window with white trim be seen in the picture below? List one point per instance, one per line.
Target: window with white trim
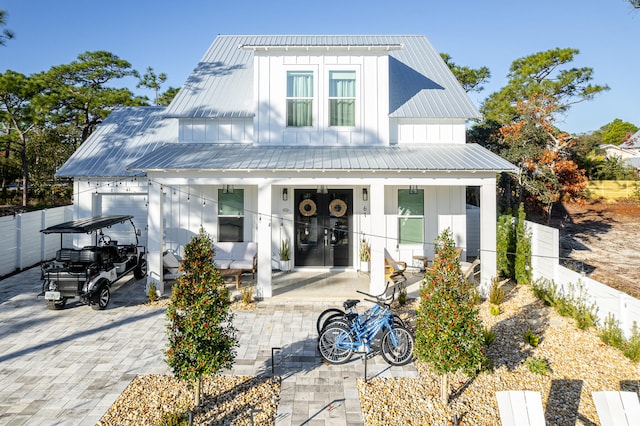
(342, 98)
(299, 98)
(411, 216)
(231, 215)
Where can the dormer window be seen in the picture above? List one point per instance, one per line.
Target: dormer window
(299, 98)
(342, 98)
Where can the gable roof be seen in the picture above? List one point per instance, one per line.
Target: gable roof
(245, 157)
(127, 134)
(420, 83)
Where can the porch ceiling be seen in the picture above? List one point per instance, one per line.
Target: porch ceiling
(246, 157)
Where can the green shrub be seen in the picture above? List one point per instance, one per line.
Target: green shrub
(573, 304)
(402, 296)
(247, 295)
(496, 293)
(611, 334)
(152, 293)
(523, 249)
(175, 419)
(538, 365)
(531, 338)
(489, 336)
(505, 245)
(632, 347)
(494, 310)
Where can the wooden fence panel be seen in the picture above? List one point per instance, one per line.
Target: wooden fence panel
(611, 189)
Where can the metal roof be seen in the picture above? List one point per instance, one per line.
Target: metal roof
(86, 225)
(127, 134)
(420, 83)
(244, 157)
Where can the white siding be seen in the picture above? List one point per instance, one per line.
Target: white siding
(372, 102)
(444, 208)
(216, 130)
(418, 131)
(120, 204)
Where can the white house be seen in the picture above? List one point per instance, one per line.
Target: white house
(319, 140)
(628, 152)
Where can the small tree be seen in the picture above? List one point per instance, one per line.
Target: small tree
(523, 249)
(449, 333)
(505, 245)
(200, 330)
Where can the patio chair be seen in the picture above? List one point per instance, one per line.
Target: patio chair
(171, 266)
(396, 267)
(617, 408)
(520, 408)
(469, 271)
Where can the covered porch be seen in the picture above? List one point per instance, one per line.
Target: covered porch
(324, 201)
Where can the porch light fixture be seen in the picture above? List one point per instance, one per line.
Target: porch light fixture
(365, 194)
(322, 189)
(285, 194)
(413, 189)
(227, 189)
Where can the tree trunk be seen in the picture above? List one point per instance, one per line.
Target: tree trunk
(444, 389)
(197, 391)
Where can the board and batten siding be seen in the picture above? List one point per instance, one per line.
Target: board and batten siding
(444, 207)
(372, 99)
(216, 130)
(418, 131)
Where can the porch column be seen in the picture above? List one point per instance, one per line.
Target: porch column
(155, 237)
(487, 233)
(377, 238)
(263, 277)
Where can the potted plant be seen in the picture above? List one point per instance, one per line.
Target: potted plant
(285, 256)
(365, 255)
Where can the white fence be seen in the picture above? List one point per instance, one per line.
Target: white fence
(23, 245)
(545, 249)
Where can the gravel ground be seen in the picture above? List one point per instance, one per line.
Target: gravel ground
(579, 362)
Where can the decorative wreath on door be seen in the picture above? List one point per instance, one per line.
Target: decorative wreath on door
(338, 208)
(307, 207)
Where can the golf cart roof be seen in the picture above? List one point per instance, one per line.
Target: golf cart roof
(86, 225)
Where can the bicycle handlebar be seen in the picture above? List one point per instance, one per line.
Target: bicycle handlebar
(382, 298)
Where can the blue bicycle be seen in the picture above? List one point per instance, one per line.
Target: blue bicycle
(375, 330)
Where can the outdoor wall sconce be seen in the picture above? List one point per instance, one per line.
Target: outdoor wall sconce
(227, 189)
(365, 194)
(321, 189)
(285, 194)
(413, 189)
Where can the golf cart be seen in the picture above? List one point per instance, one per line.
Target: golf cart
(89, 272)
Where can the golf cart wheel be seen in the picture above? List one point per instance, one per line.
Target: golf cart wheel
(56, 305)
(100, 299)
(141, 270)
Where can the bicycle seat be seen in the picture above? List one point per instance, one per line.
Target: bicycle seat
(350, 303)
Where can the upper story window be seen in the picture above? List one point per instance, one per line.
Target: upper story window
(299, 98)
(342, 98)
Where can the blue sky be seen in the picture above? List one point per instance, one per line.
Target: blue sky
(172, 36)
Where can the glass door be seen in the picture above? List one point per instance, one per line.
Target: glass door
(323, 224)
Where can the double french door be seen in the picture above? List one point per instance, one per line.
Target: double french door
(323, 227)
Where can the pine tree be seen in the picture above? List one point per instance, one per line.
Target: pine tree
(202, 338)
(449, 334)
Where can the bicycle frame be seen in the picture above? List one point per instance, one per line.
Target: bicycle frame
(366, 327)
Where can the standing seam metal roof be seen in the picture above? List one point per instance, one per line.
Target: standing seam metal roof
(243, 157)
(420, 83)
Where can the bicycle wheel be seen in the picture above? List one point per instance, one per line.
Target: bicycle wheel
(336, 344)
(397, 346)
(324, 315)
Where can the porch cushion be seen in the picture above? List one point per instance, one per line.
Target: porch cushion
(241, 255)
